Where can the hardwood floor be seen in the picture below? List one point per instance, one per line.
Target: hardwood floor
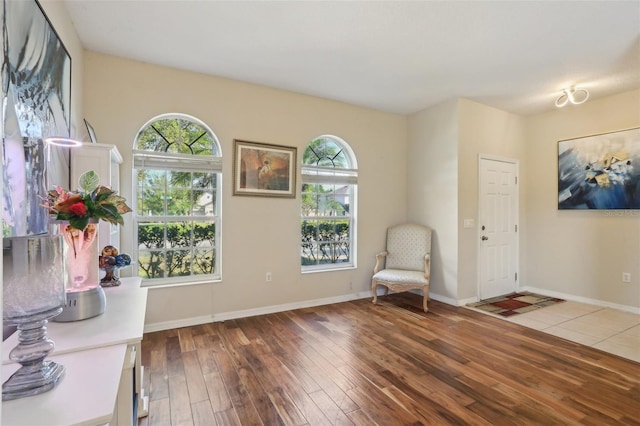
(389, 364)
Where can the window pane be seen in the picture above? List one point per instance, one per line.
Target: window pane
(178, 263)
(203, 261)
(309, 200)
(333, 237)
(204, 180)
(152, 178)
(151, 264)
(151, 235)
(329, 200)
(309, 251)
(326, 153)
(309, 254)
(176, 135)
(179, 202)
(326, 200)
(205, 203)
(179, 179)
(179, 234)
(151, 192)
(204, 234)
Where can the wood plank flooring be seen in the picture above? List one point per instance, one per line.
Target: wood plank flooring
(356, 363)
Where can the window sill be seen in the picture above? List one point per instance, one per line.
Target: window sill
(328, 269)
(151, 285)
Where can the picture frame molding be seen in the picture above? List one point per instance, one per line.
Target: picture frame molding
(627, 139)
(91, 132)
(251, 184)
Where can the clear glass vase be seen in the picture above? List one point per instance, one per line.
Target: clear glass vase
(33, 293)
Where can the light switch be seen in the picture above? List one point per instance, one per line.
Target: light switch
(469, 223)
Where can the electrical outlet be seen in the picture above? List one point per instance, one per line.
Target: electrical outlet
(626, 277)
(267, 277)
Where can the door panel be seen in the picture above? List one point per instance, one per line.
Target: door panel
(498, 215)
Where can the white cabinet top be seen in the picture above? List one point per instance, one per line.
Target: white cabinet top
(121, 322)
(116, 157)
(86, 395)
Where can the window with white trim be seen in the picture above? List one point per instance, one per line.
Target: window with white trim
(177, 174)
(328, 213)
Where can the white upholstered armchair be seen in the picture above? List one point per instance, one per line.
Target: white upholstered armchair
(406, 263)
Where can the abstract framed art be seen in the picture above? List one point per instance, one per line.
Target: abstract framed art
(600, 172)
(36, 99)
(39, 70)
(262, 169)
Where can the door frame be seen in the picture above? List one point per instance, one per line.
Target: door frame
(516, 163)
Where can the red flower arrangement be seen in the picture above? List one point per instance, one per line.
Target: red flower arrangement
(94, 201)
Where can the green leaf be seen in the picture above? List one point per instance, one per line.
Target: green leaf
(89, 181)
(79, 222)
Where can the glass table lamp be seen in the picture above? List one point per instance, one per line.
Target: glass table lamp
(33, 292)
(85, 298)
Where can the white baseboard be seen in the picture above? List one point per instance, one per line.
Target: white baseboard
(187, 322)
(225, 316)
(465, 302)
(443, 299)
(545, 292)
(451, 301)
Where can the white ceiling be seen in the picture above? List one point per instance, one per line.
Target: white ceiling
(396, 56)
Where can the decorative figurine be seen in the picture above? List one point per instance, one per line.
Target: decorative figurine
(111, 262)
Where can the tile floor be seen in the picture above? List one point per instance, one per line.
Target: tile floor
(610, 330)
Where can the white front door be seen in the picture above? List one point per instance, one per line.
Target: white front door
(498, 227)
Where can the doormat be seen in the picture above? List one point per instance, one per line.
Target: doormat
(514, 304)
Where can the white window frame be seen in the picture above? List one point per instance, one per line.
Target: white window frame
(313, 174)
(156, 160)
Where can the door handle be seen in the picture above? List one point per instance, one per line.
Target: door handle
(484, 238)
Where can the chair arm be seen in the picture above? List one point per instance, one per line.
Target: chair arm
(379, 258)
(427, 267)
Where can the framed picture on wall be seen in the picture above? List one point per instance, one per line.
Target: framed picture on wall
(92, 133)
(600, 171)
(40, 72)
(261, 169)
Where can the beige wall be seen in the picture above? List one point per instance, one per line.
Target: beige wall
(581, 253)
(483, 131)
(259, 234)
(445, 142)
(433, 189)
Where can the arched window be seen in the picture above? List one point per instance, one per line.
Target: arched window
(177, 177)
(328, 216)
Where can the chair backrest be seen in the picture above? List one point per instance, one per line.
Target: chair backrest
(407, 245)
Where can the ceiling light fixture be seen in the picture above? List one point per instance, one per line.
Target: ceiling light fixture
(573, 95)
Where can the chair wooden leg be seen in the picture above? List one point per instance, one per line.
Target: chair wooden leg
(425, 298)
(374, 292)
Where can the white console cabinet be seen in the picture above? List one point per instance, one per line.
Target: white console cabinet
(105, 160)
(102, 383)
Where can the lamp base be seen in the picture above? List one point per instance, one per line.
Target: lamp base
(82, 305)
(35, 375)
(32, 380)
